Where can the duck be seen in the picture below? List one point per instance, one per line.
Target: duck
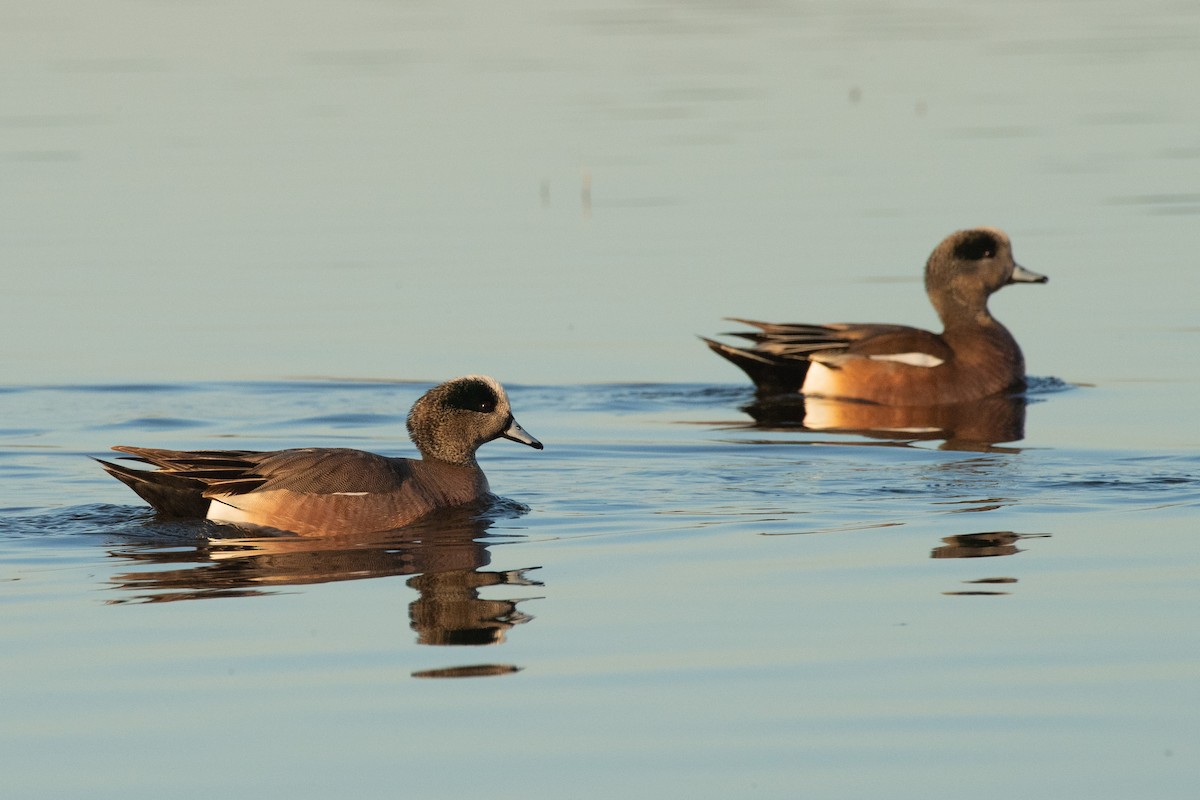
(973, 357)
(322, 490)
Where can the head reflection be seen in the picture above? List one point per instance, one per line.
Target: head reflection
(444, 553)
(963, 426)
(449, 610)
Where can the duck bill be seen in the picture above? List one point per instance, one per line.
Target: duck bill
(1022, 275)
(516, 433)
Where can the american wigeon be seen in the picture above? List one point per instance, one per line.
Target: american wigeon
(337, 490)
(974, 357)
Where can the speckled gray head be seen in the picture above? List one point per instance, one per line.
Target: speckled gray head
(452, 420)
(971, 264)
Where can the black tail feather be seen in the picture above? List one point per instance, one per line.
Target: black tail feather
(171, 495)
(771, 376)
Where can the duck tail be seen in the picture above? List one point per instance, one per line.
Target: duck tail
(772, 375)
(170, 495)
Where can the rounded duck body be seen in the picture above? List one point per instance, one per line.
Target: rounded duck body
(314, 491)
(974, 357)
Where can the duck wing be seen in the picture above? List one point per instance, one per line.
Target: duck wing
(826, 343)
(184, 481)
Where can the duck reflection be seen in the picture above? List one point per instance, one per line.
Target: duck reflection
(988, 544)
(449, 610)
(976, 425)
(979, 545)
(444, 554)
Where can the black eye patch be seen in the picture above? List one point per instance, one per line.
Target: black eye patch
(472, 396)
(975, 246)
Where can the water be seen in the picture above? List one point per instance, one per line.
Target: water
(669, 601)
(563, 193)
(274, 225)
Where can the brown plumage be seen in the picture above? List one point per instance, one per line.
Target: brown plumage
(974, 357)
(336, 490)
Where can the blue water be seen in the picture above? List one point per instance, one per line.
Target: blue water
(667, 601)
(274, 225)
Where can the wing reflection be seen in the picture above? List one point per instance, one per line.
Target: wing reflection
(964, 426)
(444, 554)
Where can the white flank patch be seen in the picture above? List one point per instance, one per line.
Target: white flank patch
(912, 359)
(819, 380)
(220, 512)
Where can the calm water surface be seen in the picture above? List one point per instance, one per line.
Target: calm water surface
(669, 601)
(200, 204)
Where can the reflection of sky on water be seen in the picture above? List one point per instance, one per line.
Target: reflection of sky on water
(444, 558)
(836, 604)
(568, 194)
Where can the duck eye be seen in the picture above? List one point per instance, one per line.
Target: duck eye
(976, 246)
(472, 396)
